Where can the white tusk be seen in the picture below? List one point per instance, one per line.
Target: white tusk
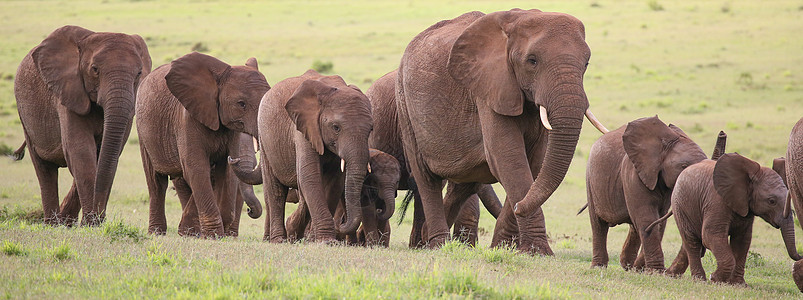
(591, 118)
(369, 168)
(544, 119)
(342, 165)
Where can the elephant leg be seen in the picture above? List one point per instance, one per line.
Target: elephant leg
(70, 207)
(275, 195)
(726, 262)
(437, 230)
(694, 254)
(157, 187)
(224, 183)
(680, 264)
(198, 176)
(416, 233)
(740, 245)
(298, 220)
(80, 152)
(370, 226)
(467, 223)
(630, 250)
(599, 240)
(48, 175)
(234, 228)
(189, 225)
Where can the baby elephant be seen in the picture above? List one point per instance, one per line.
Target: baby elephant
(716, 199)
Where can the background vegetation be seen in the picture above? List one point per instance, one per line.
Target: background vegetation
(705, 66)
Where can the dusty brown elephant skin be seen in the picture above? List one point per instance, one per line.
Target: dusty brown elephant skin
(75, 96)
(715, 200)
(386, 137)
(477, 96)
(794, 180)
(190, 223)
(377, 201)
(314, 138)
(190, 116)
(629, 179)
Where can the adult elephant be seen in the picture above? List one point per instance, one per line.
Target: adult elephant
(468, 94)
(190, 117)
(629, 179)
(794, 180)
(313, 133)
(75, 96)
(386, 137)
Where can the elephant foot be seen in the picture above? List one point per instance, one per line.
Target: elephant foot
(797, 274)
(601, 265)
(91, 220)
(437, 241)
(157, 230)
(189, 231)
(719, 277)
(533, 250)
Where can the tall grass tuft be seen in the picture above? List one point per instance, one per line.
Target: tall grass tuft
(13, 249)
(62, 252)
(119, 231)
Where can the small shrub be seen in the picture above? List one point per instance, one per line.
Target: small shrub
(754, 259)
(61, 252)
(655, 6)
(13, 249)
(200, 47)
(322, 66)
(117, 231)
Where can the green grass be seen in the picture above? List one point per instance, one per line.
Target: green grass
(704, 66)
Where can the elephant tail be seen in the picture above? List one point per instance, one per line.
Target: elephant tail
(582, 209)
(20, 152)
(412, 188)
(666, 216)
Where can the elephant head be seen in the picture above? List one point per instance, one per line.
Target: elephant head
(336, 118)
(215, 93)
(657, 150)
(747, 188)
(506, 59)
(85, 69)
(381, 184)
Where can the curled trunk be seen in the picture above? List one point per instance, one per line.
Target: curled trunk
(247, 156)
(388, 195)
(788, 233)
(245, 171)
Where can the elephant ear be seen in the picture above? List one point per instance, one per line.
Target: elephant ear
(733, 176)
(195, 79)
(479, 62)
(144, 55)
(57, 59)
(779, 166)
(304, 108)
(645, 141)
(252, 62)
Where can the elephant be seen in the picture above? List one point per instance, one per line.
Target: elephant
(377, 201)
(75, 95)
(468, 95)
(313, 133)
(190, 117)
(386, 137)
(629, 179)
(793, 176)
(190, 224)
(715, 200)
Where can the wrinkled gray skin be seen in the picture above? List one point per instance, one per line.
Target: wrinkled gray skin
(468, 95)
(191, 115)
(715, 203)
(794, 179)
(386, 137)
(75, 96)
(629, 179)
(307, 126)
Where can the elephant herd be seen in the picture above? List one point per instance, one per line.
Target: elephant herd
(478, 99)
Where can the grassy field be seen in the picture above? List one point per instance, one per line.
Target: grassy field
(706, 67)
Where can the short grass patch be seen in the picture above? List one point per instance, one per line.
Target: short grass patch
(13, 249)
(118, 230)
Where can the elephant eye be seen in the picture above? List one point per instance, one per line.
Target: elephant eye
(336, 127)
(95, 69)
(241, 103)
(684, 166)
(772, 201)
(531, 61)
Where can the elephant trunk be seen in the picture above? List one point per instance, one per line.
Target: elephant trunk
(388, 195)
(719, 148)
(566, 118)
(247, 171)
(118, 113)
(788, 233)
(355, 170)
(247, 156)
